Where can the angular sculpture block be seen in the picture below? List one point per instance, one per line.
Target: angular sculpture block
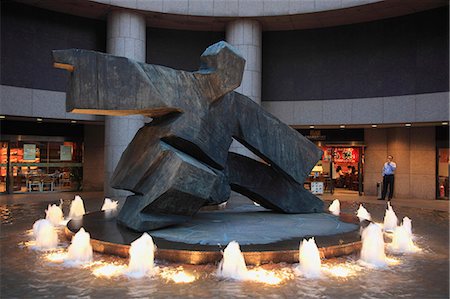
(179, 161)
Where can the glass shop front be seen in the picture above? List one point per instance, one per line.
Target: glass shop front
(31, 162)
(341, 168)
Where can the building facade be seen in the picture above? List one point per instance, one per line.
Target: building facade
(362, 79)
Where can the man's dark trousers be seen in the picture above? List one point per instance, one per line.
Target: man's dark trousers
(388, 180)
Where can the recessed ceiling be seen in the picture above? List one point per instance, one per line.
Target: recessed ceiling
(351, 15)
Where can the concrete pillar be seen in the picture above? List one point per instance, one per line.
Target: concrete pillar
(125, 37)
(246, 36)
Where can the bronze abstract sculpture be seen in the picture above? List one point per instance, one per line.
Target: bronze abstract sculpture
(179, 161)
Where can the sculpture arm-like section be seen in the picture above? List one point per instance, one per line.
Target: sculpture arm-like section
(105, 84)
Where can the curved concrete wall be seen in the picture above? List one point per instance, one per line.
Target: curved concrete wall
(394, 57)
(418, 58)
(236, 8)
(29, 34)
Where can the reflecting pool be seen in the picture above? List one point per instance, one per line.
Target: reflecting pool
(26, 272)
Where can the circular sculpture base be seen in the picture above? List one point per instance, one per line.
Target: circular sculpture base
(264, 236)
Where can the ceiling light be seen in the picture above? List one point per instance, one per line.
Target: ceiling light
(2, 117)
(374, 126)
(407, 125)
(342, 126)
(444, 123)
(39, 119)
(311, 127)
(73, 121)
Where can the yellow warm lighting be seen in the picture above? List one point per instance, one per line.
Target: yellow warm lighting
(56, 257)
(31, 243)
(177, 275)
(272, 277)
(264, 276)
(317, 168)
(392, 261)
(109, 270)
(341, 271)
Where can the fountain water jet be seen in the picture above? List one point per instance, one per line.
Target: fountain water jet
(54, 214)
(142, 256)
(402, 238)
(390, 219)
(233, 263)
(335, 207)
(80, 251)
(45, 234)
(363, 214)
(76, 208)
(372, 251)
(407, 224)
(309, 257)
(109, 204)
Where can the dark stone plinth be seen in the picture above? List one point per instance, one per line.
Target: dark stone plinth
(202, 239)
(180, 162)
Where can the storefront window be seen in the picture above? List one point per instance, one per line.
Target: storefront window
(3, 165)
(340, 168)
(37, 166)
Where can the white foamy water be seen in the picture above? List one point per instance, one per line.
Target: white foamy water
(335, 207)
(309, 258)
(390, 219)
(363, 214)
(80, 250)
(142, 256)
(402, 238)
(372, 251)
(233, 263)
(54, 214)
(45, 234)
(109, 204)
(407, 224)
(76, 208)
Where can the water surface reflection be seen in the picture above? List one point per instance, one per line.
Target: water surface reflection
(25, 272)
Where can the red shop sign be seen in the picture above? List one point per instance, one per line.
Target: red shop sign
(346, 155)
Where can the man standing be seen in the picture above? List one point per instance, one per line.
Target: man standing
(388, 177)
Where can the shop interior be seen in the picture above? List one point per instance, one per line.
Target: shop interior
(40, 163)
(340, 170)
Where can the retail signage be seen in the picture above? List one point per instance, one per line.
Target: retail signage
(315, 135)
(29, 152)
(346, 154)
(317, 187)
(65, 153)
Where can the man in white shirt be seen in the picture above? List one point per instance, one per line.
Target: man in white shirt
(388, 177)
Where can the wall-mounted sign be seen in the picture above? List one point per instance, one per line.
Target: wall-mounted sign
(341, 154)
(29, 152)
(315, 135)
(348, 154)
(65, 152)
(317, 187)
